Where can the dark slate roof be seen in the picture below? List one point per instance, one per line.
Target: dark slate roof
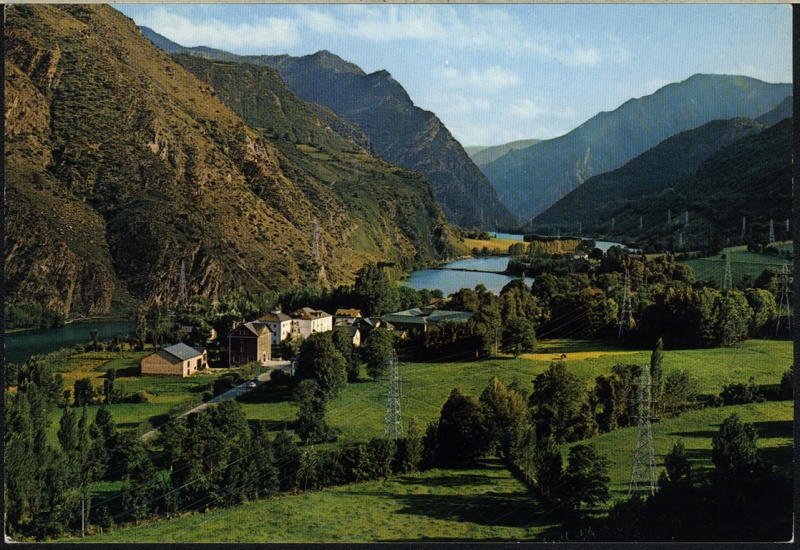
(182, 351)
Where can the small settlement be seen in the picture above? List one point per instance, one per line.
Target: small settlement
(253, 341)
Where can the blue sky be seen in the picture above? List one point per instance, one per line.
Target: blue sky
(495, 73)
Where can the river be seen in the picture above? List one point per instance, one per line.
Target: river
(20, 346)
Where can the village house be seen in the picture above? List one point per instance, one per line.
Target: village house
(177, 360)
(307, 321)
(346, 316)
(279, 323)
(352, 331)
(250, 342)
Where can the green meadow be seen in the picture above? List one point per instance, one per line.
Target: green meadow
(484, 503)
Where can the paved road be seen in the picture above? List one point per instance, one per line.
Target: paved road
(233, 393)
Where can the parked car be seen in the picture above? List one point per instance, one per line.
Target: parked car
(251, 384)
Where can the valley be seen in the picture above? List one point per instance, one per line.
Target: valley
(582, 332)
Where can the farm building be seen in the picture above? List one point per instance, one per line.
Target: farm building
(177, 360)
(250, 342)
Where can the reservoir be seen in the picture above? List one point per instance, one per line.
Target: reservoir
(468, 273)
(20, 346)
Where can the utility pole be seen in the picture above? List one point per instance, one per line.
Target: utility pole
(183, 296)
(393, 427)
(643, 468)
(627, 314)
(727, 281)
(783, 300)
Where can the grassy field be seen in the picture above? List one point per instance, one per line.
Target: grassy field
(166, 392)
(742, 262)
(495, 246)
(359, 412)
(485, 503)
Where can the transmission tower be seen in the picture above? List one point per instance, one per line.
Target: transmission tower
(744, 226)
(771, 231)
(613, 222)
(680, 240)
(643, 468)
(183, 296)
(393, 427)
(641, 224)
(686, 218)
(669, 216)
(580, 228)
(787, 225)
(627, 314)
(727, 281)
(783, 300)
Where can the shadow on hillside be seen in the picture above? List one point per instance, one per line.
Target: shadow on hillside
(774, 428)
(267, 394)
(705, 434)
(490, 508)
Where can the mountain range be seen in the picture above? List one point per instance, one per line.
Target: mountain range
(400, 132)
(126, 174)
(482, 156)
(693, 189)
(532, 179)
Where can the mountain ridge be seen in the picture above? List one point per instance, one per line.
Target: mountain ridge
(530, 180)
(401, 133)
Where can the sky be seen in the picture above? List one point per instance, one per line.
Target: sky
(496, 73)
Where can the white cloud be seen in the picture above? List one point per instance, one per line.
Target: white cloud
(317, 20)
(260, 34)
(489, 79)
(529, 109)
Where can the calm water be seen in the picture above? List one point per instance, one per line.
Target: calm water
(449, 281)
(19, 346)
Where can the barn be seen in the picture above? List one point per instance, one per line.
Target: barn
(178, 360)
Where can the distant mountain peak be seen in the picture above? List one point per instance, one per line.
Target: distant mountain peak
(330, 61)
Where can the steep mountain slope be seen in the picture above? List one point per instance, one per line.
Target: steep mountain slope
(530, 180)
(485, 155)
(662, 167)
(122, 170)
(400, 132)
(751, 177)
(781, 111)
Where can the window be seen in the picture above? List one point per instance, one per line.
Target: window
(235, 359)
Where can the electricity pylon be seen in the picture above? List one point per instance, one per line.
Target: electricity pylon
(393, 421)
(727, 281)
(627, 314)
(783, 300)
(744, 226)
(643, 468)
(771, 231)
(669, 216)
(183, 295)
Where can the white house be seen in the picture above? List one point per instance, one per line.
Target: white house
(280, 324)
(307, 321)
